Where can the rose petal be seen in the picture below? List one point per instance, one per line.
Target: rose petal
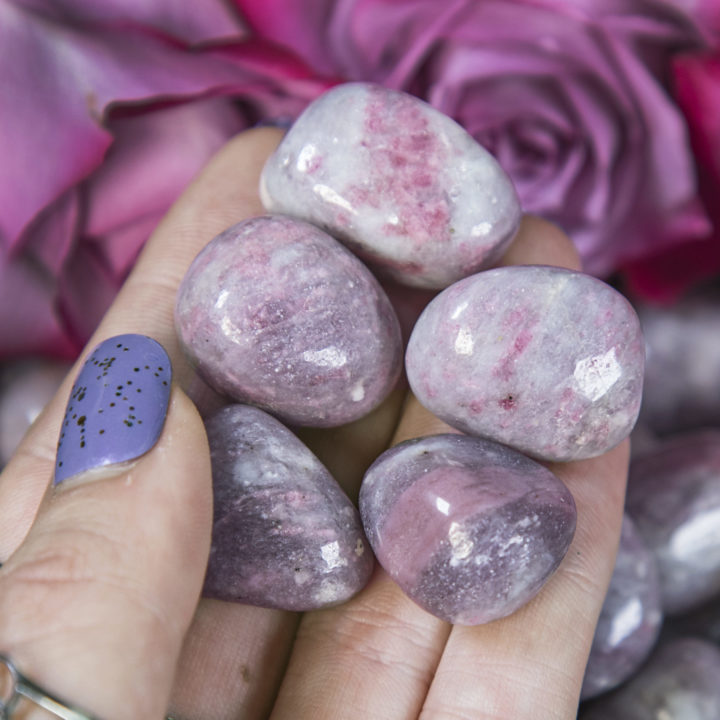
(190, 21)
(52, 136)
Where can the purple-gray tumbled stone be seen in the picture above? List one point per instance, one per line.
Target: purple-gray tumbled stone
(284, 533)
(680, 682)
(546, 360)
(469, 529)
(630, 619)
(674, 498)
(681, 389)
(276, 313)
(402, 184)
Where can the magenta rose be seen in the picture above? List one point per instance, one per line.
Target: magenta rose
(107, 110)
(568, 94)
(665, 275)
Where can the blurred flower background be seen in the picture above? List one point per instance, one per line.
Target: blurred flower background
(606, 113)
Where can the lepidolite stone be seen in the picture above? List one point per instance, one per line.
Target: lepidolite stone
(681, 682)
(630, 619)
(403, 185)
(681, 390)
(284, 533)
(469, 529)
(674, 498)
(276, 313)
(546, 360)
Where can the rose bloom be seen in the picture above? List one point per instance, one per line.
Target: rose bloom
(107, 111)
(569, 95)
(664, 276)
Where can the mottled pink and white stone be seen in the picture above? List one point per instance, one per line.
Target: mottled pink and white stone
(404, 186)
(674, 498)
(469, 529)
(630, 618)
(284, 533)
(546, 360)
(276, 313)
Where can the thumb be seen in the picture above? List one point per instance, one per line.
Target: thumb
(95, 603)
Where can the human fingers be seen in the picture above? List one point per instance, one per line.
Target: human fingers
(95, 602)
(532, 663)
(377, 656)
(224, 193)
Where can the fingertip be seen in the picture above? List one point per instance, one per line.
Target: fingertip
(418, 421)
(541, 242)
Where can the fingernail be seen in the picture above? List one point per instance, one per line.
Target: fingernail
(117, 406)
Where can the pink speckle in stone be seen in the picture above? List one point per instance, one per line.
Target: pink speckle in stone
(505, 369)
(405, 168)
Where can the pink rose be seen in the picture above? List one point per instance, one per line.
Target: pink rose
(568, 94)
(107, 110)
(665, 275)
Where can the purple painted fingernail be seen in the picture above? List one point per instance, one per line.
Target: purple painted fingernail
(117, 406)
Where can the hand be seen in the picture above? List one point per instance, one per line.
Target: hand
(99, 591)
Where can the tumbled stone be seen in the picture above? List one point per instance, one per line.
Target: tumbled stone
(680, 682)
(276, 313)
(546, 360)
(681, 390)
(630, 619)
(284, 533)
(469, 529)
(25, 388)
(403, 185)
(674, 498)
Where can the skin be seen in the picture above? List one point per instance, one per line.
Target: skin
(99, 591)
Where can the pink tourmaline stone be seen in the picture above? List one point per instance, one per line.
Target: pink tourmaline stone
(469, 529)
(546, 360)
(276, 313)
(404, 186)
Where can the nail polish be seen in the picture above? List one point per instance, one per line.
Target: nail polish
(117, 406)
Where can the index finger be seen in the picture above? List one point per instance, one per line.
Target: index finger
(224, 193)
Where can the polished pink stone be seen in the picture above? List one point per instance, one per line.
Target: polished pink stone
(284, 534)
(403, 185)
(630, 618)
(276, 313)
(469, 529)
(546, 360)
(674, 498)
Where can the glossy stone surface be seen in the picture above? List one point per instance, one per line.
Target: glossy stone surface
(543, 359)
(681, 682)
(25, 388)
(681, 390)
(403, 185)
(284, 533)
(630, 619)
(674, 498)
(469, 529)
(276, 313)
